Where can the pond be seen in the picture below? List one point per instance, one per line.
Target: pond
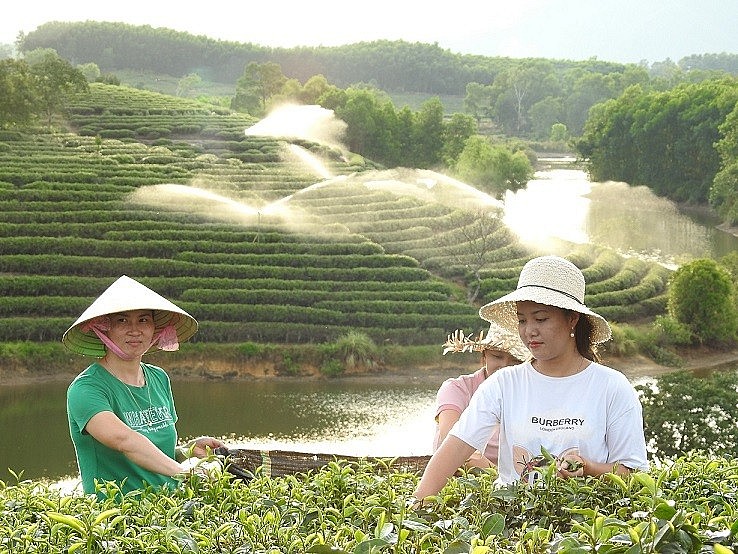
(349, 416)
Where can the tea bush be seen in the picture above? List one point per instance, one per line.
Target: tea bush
(687, 506)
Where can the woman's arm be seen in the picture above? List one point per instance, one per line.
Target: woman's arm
(446, 420)
(107, 428)
(451, 455)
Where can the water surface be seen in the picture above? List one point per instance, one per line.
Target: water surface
(342, 416)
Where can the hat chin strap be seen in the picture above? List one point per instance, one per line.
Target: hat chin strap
(99, 326)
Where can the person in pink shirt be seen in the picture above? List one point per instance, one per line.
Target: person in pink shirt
(500, 348)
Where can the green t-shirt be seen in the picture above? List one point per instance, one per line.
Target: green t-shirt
(148, 410)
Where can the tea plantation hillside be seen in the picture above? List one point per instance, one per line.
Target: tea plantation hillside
(261, 238)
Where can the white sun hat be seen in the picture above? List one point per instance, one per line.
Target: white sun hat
(172, 324)
(549, 280)
(498, 338)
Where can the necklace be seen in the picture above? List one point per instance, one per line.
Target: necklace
(148, 390)
(581, 365)
(579, 369)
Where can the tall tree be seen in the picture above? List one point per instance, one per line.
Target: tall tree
(17, 94)
(456, 131)
(520, 87)
(54, 80)
(428, 134)
(259, 82)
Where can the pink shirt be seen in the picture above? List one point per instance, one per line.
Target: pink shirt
(455, 394)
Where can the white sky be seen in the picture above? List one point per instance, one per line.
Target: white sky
(612, 30)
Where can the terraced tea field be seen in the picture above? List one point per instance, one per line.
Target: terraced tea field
(261, 238)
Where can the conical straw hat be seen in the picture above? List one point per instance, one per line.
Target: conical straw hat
(127, 294)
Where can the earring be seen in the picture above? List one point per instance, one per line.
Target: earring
(572, 333)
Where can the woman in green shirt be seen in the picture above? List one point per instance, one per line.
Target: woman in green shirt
(121, 410)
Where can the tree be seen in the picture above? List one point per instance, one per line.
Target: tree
(724, 189)
(256, 86)
(91, 71)
(188, 83)
(701, 295)
(6, 51)
(315, 87)
(455, 133)
(17, 95)
(54, 80)
(475, 243)
(559, 133)
(544, 114)
(724, 193)
(492, 168)
(478, 101)
(518, 88)
(428, 134)
(684, 414)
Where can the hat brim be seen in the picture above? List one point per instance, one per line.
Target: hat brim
(123, 295)
(504, 310)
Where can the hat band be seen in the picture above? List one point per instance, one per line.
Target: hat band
(555, 290)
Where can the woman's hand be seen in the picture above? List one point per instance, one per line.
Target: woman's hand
(572, 465)
(204, 446)
(201, 447)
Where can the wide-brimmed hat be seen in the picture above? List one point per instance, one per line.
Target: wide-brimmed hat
(552, 281)
(497, 338)
(172, 324)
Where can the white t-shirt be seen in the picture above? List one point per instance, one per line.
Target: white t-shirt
(595, 413)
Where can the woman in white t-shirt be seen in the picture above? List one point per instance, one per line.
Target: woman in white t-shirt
(562, 403)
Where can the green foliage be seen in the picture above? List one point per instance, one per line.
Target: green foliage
(357, 351)
(332, 368)
(702, 297)
(398, 267)
(559, 133)
(684, 413)
(663, 139)
(259, 82)
(353, 507)
(18, 97)
(730, 262)
(492, 167)
(55, 80)
(624, 340)
(250, 349)
(669, 331)
(724, 193)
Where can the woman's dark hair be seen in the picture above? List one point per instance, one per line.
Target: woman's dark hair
(583, 332)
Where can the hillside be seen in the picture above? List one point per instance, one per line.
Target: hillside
(281, 239)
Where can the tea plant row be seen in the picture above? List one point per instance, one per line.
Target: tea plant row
(358, 507)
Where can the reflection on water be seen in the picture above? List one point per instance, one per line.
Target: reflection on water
(342, 416)
(337, 416)
(564, 204)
